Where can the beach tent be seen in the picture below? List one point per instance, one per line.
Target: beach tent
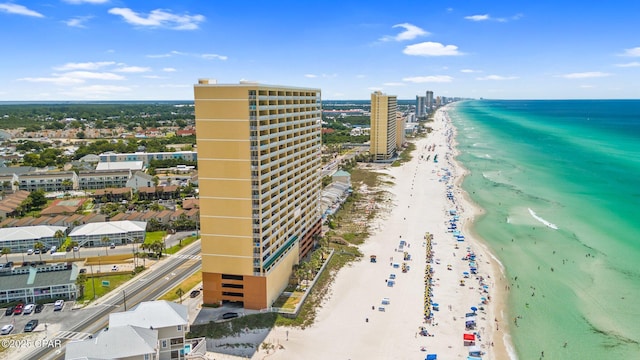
(469, 337)
(473, 358)
(431, 357)
(475, 351)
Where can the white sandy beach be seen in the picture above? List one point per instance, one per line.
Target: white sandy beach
(351, 325)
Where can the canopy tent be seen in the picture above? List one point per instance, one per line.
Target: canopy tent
(473, 358)
(469, 337)
(475, 351)
(431, 357)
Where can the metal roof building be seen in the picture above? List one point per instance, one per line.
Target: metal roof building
(118, 232)
(20, 239)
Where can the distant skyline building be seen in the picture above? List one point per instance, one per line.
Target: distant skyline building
(259, 162)
(383, 126)
(421, 106)
(430, 102)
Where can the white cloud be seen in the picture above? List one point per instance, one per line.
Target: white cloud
(159, 19)
(132, 69)
(410, 32)
(19, 10)
(631, 64)
(469, 71)
(86, 1)
(584, 75)
(374, 88)
(57, 80)
(496, 77)
(213, 56)
(311, 76)
(487, 17)
(478, 17)
(78, 21)
(431, 49)
(84, 65)
(632, 52)
(429, 79)
(92, 75)
(394, 84)
(169, 69)
(180, 53)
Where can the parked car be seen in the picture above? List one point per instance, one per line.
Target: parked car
(30, 252)
(194, 293)
(31, 325)
(112, 246)
(75, 249)
(9, 311)
(36, 251)
(38, 308)
(114, 268)
(54, 249)
(58, 305)
(7, 329)
(18, 309)
(28, 309)
(230, 315)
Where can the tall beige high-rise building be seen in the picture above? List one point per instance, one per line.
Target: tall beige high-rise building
(258, 169)
(383, 126)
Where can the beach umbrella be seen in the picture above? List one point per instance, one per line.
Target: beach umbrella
(474, 309)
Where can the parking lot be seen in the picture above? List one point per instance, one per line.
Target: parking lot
(46, 316)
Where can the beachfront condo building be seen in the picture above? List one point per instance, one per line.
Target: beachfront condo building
(259, 179)
(383, 142)
(421, 106)
(430, 103)
(401, 123)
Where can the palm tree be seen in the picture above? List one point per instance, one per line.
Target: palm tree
(180, 292)
(6, 251)
(40, 247)
(59, 235)
(105, 240)
(80, 281)
(143, 255)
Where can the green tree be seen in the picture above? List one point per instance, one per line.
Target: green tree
(180, 292)
(105, 241)
(40, 247)
(59, 235)
(81, 280)
(6, 251)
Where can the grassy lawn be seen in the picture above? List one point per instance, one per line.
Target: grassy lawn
(290, 301)
(186, 286)
(154, 236)
(114, 282)
(186, 241)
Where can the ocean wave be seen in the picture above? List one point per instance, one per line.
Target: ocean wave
(548, 224)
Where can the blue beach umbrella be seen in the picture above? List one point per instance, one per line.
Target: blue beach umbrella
(474, 309)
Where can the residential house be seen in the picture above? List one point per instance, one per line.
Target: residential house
(32, 283)
(123, 342)
(140, 179)
(170, 319)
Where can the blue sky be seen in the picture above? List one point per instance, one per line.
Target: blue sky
(157, 50)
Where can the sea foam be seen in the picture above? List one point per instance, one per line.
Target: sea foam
(548, 224)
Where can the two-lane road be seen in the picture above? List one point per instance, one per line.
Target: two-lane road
(145, 287)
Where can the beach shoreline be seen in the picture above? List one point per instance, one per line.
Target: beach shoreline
(364, 317)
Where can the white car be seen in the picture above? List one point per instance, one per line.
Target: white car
(28, 309)
(58, 305)
(6, 330)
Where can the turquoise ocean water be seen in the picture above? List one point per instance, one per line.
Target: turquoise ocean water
(560, 183)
